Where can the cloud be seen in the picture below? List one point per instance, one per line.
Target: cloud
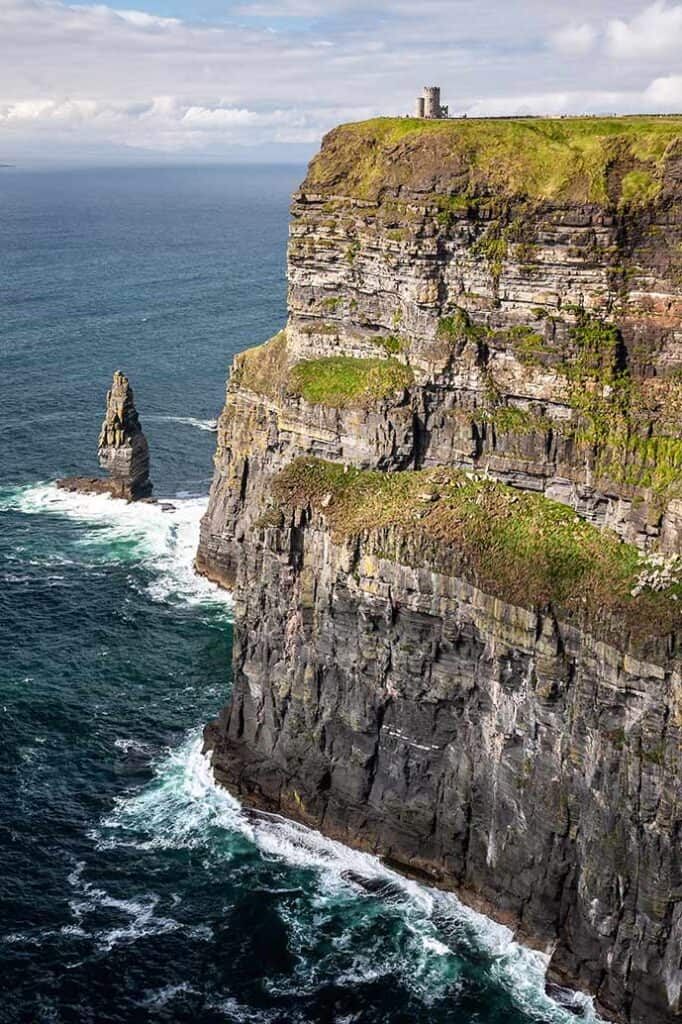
(75, 76)
(176, 125)
(574, 39)
(666, 93)
(654, 31)
(559, 103)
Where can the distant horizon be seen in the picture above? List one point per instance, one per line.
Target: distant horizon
(248, 81)
(190, 164)
(155, 161)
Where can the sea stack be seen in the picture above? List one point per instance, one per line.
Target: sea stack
(122, 449)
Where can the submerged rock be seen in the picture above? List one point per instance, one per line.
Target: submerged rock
(122, 449)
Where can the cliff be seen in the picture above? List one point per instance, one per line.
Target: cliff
(448, 496)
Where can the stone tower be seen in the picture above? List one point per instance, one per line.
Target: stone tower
(432, 101)
(428, 105)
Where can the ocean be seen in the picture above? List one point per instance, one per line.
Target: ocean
(132, 889)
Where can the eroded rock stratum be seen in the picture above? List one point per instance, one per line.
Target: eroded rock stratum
(448, 497)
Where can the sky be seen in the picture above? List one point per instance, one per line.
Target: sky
(249, 80)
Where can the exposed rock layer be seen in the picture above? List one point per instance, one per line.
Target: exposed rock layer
(496, 749)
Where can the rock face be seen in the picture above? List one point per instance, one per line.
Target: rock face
(480, 745)
(502, 299)
(122, 449)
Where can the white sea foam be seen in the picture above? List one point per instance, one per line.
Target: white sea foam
(183, 807)
(132, 746)
(435, 946)
(165, 995)
(236, 1013)
(177, 809)
(164, 542)
(188, 421)
(89, 900)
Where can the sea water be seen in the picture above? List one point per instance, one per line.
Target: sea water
(132, 889)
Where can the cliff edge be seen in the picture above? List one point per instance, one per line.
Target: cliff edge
(448, 497)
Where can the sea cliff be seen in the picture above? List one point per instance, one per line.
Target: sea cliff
(448, 499)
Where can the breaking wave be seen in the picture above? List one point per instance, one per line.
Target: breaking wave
(183, 808)
(161, 539)
(188, 421)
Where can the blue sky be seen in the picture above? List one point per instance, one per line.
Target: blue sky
(169, 80)
(216, 12)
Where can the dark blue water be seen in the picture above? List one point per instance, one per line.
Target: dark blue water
(132, 889)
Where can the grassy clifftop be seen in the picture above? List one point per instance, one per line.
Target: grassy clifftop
(602, 160)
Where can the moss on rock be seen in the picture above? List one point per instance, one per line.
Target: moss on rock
(635, 439)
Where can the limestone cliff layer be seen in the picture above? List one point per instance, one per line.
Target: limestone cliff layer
(501, 299)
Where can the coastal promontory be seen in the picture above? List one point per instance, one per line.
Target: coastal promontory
(448, 499)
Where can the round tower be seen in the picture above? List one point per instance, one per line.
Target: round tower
(419, 106)
(431, 101)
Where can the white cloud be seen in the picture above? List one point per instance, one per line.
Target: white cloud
(75, 75)
(177, 125)
(574, 39)
(654, 31)
(666, 93)
(570, 102)
(143, 20)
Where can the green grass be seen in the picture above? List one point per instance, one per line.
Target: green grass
(343, 380)
(451, 208)
(458, 327)
(330, 380)
(508, 419)
(639, 188)
(528, 346)
(391, 343)
(535, 158)
(520, 547)
(264, 368)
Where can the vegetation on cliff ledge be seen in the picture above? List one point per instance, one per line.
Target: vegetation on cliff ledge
(521, 547)
(632, 426)
(264, 368)
(614, 160)
(345, 380)
(336, 381)
(628, 429)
